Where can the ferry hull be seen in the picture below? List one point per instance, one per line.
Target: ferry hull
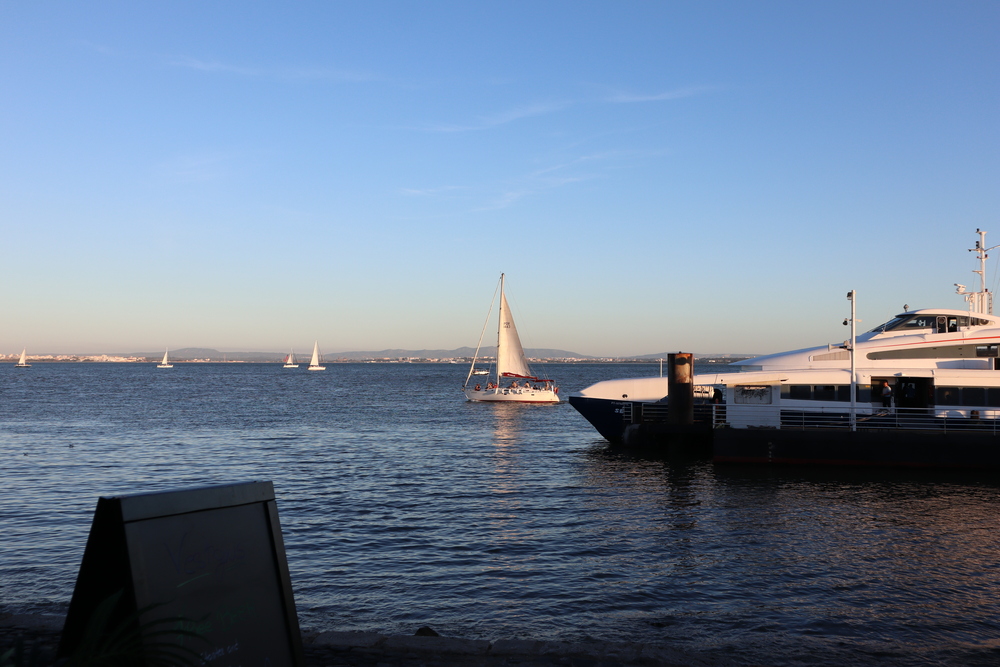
(606, 415)
(877, 447)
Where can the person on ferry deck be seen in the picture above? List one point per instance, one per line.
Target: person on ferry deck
(886, 395)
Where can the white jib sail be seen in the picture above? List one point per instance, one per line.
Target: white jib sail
(315, 357)
(510, 354)
(166, 353)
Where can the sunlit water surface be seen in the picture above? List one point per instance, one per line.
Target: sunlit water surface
(403, 505)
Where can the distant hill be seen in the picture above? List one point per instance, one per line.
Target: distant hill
(203, 353)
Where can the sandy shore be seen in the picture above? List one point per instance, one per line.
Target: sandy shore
(40, 634)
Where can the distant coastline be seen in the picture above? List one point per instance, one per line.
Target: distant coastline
(459, 356)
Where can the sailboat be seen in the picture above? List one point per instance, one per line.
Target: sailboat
(514, 380)
(23, 363)
(314, 362)
(290, 360)
(166, 362)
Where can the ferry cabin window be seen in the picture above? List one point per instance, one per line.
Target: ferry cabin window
(824, 392)
(973, 396)
(987, 351)
(968, 396)
(819, 392)
(797, 392)
(947, 396)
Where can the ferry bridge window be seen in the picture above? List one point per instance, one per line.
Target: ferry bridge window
(973, 396)
(909, 323)
(919, 322)
(890, 325)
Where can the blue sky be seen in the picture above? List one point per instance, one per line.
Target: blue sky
(708, 177)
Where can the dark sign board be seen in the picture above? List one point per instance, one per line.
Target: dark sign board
(200, 571)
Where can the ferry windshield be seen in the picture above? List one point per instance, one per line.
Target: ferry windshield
(937, 323)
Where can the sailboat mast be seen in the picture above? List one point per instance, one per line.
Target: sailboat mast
(499, 325)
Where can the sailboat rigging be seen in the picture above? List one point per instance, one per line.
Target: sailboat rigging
(314, 362)
(514, 380)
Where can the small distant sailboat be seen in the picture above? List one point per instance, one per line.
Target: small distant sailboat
(166, 362)
(290, 360)
(23, 363)
(511, 366)
(314, 363)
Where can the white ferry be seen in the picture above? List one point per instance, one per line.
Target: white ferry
(920, 389)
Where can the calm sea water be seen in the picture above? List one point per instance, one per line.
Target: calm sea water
(403, 505)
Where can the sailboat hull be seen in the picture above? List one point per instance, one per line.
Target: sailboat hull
(508, 395)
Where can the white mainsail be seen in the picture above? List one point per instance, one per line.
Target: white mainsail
(510, 354)
(314, 363)
(23, 363)
(165, 363)
(290, 360)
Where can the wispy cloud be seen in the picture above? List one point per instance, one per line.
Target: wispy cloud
(505, 200)
(502, 117)
(676, 94)
(283, 73)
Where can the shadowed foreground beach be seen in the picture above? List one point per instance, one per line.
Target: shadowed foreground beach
(39, 637)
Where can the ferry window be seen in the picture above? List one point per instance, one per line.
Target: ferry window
(973, 396)
(963, 321)
(993, 397)
(864, 393)
(987, 351)
(800, 392)
(977, 322)
(891, 324)
(844, 393)
(947, 396)
(824, 392)
(920, 322)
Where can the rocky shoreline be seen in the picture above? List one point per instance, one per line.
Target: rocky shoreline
(38, 636)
